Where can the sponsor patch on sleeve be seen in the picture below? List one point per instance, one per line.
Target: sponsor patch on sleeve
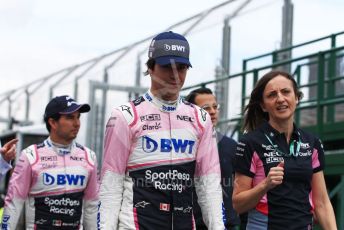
(128, 112)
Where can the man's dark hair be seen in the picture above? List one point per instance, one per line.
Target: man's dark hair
(192, 95)
(56, 117)
(150, 65)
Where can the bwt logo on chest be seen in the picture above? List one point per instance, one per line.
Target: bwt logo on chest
(63, 179)
(174, 47)
(150, 145)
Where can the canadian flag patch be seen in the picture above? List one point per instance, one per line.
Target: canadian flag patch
(164, 207)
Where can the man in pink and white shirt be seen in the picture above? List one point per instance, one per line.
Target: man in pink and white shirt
(157, 148)
(56, 180)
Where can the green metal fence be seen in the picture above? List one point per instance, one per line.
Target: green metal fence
(273, 55)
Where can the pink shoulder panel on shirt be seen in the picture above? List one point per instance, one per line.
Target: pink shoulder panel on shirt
(207, 153)
(116, 143)
(315, 159)
(20, 180)
(258, 169)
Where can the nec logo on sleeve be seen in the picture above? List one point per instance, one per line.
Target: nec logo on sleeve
(63, 179)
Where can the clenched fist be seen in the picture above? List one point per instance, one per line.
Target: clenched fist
(275, 176)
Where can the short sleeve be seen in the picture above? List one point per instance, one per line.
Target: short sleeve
(318, 156)
(243, 158)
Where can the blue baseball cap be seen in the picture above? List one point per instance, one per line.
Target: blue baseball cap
(64, 105)
(168, 48)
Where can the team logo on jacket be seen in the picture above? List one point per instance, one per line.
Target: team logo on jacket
(49, 158)
(57, 223)
(75, 158)
(304, 145)
(126, 108)
(150, 145)
(29, 151)
(185, 118)
(64, 151)
(182, 209)
(40, 221)
(150, 117)
(203, 114)
(5, 220)
(48, 165)
(63, 179)
(168, 108)
(165, 207)
(138, 101)
(155, 126)
(141, 204)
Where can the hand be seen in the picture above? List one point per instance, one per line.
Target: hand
(275, 176)
(8, 151)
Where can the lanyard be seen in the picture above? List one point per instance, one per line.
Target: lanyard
(291, 147)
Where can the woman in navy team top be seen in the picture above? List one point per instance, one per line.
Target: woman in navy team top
(279, 167)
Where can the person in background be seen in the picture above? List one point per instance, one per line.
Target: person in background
(8, 153)
(156, 147)
(204, 98)
(57, 179)
(279, 167)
